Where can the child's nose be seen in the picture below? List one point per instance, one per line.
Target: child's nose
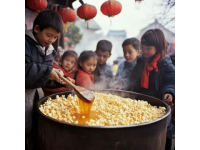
(92, 68)
(52, 40)
(126, 54)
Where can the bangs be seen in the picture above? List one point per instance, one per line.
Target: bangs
(149, 39)
(156, 38)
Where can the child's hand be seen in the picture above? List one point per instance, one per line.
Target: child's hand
(168, 99)
(70, 79)
(118, 87)
(54, 75)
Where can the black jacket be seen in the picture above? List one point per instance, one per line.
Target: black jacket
(160, 82)
(37, 66)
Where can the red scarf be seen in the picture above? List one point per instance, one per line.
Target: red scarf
(146, 72)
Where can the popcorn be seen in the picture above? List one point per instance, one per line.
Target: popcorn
(107, 110)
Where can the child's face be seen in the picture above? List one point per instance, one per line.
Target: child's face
(46, 37)
(130, 53)
(148, 51)
(68, 63)
(102, 56)
(89, 65)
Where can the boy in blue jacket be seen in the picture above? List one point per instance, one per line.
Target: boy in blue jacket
(103, 73)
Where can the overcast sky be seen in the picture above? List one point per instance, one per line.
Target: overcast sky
(131, 19)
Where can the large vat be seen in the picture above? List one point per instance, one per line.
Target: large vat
(56, 135)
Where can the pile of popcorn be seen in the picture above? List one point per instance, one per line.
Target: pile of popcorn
(111, 110)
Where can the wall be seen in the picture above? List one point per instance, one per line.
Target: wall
(29, 17)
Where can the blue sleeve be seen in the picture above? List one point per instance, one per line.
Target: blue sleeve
(36, 74)
(120, 68)
(109, 72)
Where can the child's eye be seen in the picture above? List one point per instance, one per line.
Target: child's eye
(99, 56)
(66, 60)
(55, 38)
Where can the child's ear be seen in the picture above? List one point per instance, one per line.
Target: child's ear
(110, 55)
(81, 64)
(139, 52)
(36, 28)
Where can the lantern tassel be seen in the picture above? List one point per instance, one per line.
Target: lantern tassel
(87, 24)
(110, 22)
(137, 4)
(66, 26)
(36, 13)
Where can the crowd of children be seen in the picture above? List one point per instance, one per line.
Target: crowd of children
(146, 69)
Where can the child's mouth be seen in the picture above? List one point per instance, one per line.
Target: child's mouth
(47, 44)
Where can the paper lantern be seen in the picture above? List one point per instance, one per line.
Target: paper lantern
(37, 4)
(111, 8)
(87, 12)
(68, 15)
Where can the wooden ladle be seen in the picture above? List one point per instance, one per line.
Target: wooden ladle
(81, 92)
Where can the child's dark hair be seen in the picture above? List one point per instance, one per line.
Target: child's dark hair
(69, 53)
(155, 37)
(104, 45)
(49, 19)
(85, 55)
(132, 41)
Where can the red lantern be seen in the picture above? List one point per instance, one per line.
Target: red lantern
(111, 8)
(67, 14)
(86, 12)
(37, 4)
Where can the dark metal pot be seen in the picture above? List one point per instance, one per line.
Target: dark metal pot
(56, 135)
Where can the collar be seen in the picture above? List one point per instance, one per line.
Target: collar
(49, 49)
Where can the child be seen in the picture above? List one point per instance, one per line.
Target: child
(103, 73)
(68, 68)
(131, 49)
(154, 73)
(87, 63)
(39, 56)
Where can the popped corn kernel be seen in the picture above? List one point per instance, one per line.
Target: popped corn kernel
(108, 109)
